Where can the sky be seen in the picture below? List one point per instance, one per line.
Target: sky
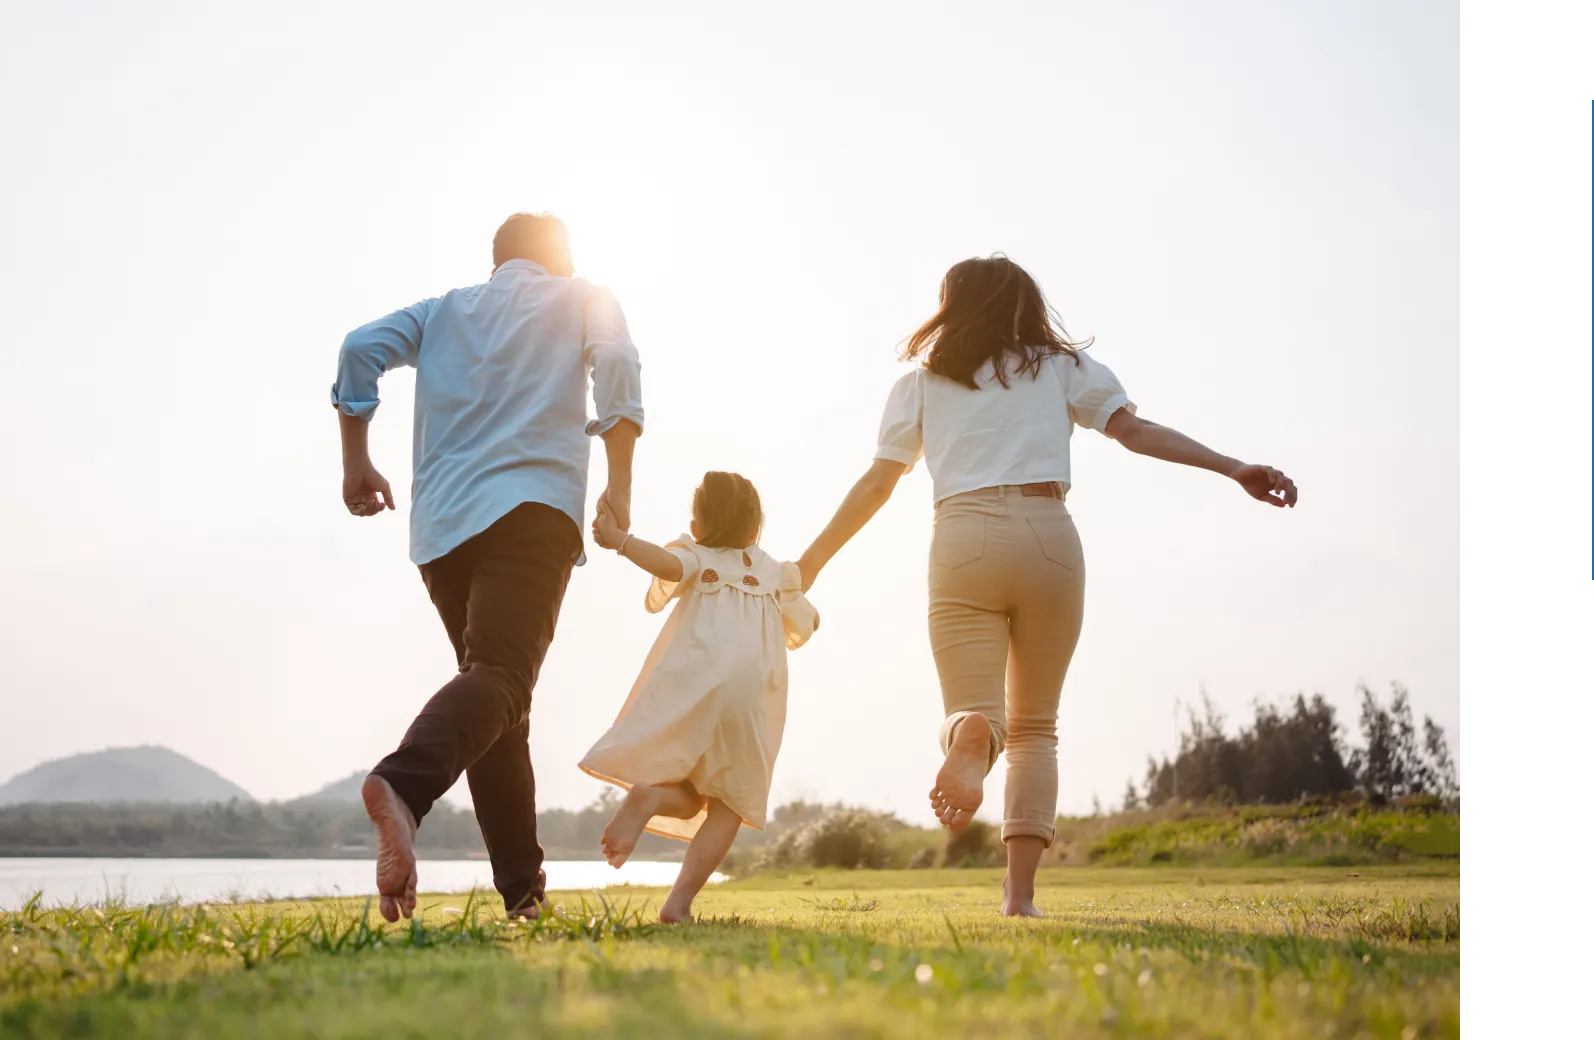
(1252, 207)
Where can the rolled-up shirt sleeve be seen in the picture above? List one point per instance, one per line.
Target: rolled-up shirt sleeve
(613, 363)
(1094, 394)
(902, 425)
(369, 351)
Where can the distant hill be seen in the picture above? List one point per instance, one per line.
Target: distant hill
(136, 774)
(345, 790)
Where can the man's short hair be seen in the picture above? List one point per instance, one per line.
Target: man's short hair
(538, 237)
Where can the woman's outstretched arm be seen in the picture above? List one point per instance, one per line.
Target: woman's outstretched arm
(871, 492)
(1143, 437)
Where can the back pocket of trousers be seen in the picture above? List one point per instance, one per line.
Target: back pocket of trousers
(1059, 540)
(958, 540)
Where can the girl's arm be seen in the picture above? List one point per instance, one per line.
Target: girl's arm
(861, 504)
(655, 559)
(1263, 483)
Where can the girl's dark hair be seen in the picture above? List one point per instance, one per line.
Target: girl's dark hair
(727, 510)
(991, 310)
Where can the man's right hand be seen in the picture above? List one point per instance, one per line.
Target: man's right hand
(365, 491)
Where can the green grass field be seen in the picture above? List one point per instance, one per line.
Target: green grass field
(1283, 952)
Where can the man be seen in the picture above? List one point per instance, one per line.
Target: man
(500, 486)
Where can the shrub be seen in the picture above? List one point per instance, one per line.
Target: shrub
(977, 845)
(853, 838)
(846, 838)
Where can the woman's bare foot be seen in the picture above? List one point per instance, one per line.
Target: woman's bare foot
(1024, 853)
(620, 836)
(960, 785)
(673, 913)
(395, 847)
(1016, 903)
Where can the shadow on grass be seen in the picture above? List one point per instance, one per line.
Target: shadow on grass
(640, 982)
(455, 993)
(1014, 956)
(106, 970)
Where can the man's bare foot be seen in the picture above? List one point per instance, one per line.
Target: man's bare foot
(1018, 904)
(671, 913)
(395, 847)
(531, 911)
(620, 836)
(960, 785)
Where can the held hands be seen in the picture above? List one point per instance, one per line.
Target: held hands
(1266, 484)
(365, 491)
(617, 504)
(606, 530)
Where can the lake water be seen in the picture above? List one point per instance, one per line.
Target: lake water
(67, 881)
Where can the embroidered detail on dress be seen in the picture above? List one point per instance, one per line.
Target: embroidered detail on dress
(750, 581)
(710, 576)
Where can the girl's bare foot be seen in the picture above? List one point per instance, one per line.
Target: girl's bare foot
(705, 853)
(620, 836)
(960, 785)
(395, 847)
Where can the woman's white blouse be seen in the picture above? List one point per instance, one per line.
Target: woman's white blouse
(972, 439)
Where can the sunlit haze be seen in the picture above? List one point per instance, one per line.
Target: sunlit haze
(1252, 207)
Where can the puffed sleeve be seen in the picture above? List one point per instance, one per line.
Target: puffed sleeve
(661, 592)
(797, 615)
(1094, 393)
(902, 426)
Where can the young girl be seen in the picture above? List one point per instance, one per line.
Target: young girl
(696, 740)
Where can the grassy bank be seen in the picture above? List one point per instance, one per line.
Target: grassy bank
(1284, 835)
(1351, 833)
(1123, 952)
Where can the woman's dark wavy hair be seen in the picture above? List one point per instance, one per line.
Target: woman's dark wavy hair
(728, 512)
(991, 310)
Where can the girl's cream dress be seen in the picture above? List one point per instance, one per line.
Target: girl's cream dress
(710, 704)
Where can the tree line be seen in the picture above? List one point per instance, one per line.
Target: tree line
(1285, 754)
(1298, 751)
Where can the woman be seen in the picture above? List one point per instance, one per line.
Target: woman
(990, 409)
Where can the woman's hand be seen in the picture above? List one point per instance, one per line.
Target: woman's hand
(605, 531)
(1266, 484)
(1144, 437)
